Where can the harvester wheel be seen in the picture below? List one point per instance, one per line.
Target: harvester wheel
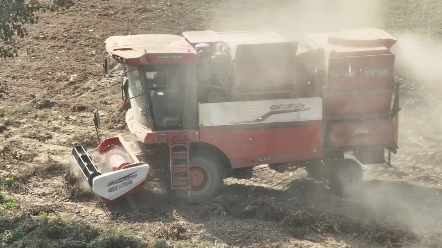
(206, 180)
(345, 177)
(318, 170)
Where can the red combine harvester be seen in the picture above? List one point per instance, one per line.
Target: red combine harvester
(213, 105)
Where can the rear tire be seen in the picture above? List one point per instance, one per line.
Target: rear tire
(318, 170)
(346, 177)
(206, 180)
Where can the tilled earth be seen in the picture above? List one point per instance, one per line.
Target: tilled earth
(47, 95)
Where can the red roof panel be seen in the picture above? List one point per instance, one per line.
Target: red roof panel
(139, 48)
(207, 36)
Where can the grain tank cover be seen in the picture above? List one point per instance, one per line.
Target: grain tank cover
(351, 42)
(206, 36)
(362, 37)
(262, 59)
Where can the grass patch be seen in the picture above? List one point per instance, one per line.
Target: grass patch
(88, 140)
(7, 202)
(48, 230)
(16, 111)
(8, 152)
(38, 135)
(18, 181)
(173, 232)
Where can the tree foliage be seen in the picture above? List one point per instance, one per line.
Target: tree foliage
(14, 15)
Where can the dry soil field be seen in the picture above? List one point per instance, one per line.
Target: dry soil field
(48, 92)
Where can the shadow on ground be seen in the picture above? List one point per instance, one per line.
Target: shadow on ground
(382, 214)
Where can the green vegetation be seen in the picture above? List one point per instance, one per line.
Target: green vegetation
(14, 15)
(48, 230)
(7, 202)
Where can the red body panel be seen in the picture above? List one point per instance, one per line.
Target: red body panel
(358, 104)
(360, 85)
(362, 133)
(263, 144)
(349, 74)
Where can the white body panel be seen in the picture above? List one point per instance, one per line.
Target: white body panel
(117, 183)
(260, 112)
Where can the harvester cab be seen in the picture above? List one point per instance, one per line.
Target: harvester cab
(161, 87)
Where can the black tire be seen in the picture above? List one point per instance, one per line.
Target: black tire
(346, 177)
(213, 169)
(318, 170)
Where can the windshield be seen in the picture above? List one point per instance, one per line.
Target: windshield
(166, 86)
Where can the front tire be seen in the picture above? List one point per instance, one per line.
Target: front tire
(206, 180)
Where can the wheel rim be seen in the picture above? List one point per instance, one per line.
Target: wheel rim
(199, 179)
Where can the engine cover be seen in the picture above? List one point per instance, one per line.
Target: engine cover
(117, 183)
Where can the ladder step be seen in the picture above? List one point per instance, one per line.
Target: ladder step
(178, 141)
(179, 155)
(180, 144)
(180, 169)
(179, 150)
(183, 186)
(180, 182)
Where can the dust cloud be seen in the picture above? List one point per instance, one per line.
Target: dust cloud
(418, 58)
(81, 181)
(294, 19)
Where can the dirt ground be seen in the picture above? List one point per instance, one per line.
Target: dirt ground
(48, 93)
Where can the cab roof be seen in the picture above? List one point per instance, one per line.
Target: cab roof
(151, 49)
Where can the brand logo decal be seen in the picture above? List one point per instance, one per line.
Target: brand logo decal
(279, 109)
(264, 159)
(267, 159)
(344, 73)
(123, 179)
(368, 72)
(377, 72)
(170, 56)
(287, 106)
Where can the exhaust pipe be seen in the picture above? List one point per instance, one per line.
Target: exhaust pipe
(86, 164)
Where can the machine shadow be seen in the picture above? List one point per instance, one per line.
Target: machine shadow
(265, 215)
(151, 204)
